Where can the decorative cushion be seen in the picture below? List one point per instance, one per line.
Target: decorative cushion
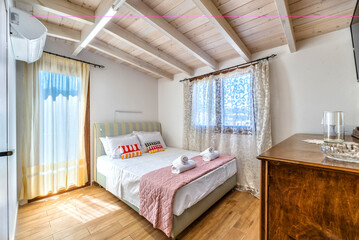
(153, 147)
(129, 151)
(123, 140)
(146, 137)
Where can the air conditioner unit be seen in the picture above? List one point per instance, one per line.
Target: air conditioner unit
(28, 36)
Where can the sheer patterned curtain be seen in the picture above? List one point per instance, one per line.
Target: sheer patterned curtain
(54, 108)
(231, 112)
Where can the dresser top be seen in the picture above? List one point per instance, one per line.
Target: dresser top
(294, 150)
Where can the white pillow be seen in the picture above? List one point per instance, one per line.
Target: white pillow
(105, 146)
(123, 140)
(146, 137)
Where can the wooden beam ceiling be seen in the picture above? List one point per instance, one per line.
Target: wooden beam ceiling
(75, 36)
(202, 39)
(123, 56)
(63, 8)
(104, 13)
(210, 10)
(166, 28)
(131, 39)
(283, 10)
(54, 30)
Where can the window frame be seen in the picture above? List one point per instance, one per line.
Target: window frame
(218, 128)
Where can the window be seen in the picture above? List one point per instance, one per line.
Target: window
(60, 111)
(204, 102)
(224, 104)
(55, 126)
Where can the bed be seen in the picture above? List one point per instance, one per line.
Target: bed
(190, 201)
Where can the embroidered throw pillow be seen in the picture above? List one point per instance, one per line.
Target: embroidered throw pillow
(129, 151)
(153, 147)
(122, 140)
(146, 137)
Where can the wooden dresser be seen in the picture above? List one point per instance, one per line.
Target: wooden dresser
(307, 196)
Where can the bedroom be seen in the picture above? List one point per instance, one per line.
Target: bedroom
(177, 77)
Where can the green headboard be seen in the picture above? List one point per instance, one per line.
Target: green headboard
(116, 129)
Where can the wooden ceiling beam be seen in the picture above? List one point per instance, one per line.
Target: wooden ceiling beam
(63, 8)
(104, 12)
(210, 10)
(166, 28)
(283, 10)
(131, 39)
(75, 36)
(123, 56)
(54, 30)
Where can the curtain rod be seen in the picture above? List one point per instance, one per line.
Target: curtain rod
(229, 68)
(93, 64)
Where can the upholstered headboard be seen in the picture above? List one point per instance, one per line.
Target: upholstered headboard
(116, 129)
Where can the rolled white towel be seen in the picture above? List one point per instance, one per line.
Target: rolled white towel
(210, 156)
(187, 166)
(208, 150)
(180, 161)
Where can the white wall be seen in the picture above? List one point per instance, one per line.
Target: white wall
(319, 76)
(117, 87)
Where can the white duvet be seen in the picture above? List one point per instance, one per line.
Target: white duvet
(123, 177)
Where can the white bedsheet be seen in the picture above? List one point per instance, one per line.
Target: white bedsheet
(123, 177)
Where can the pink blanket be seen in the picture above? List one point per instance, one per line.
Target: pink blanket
(158, 188)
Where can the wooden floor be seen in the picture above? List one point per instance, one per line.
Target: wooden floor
(94, 213)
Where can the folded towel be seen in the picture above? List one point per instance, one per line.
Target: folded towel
(208, 150)
(187, 166)
(180, 161)
(210, 156)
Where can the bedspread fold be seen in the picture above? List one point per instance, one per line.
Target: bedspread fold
(158, 189)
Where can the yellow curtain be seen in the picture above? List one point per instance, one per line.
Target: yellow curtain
(42, 175)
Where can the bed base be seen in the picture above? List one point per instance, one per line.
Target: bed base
(181, 222)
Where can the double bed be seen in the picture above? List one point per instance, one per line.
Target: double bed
(122, 177)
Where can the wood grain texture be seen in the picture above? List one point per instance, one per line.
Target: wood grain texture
(117, 53)
(186, 21)
(307, 196)
(264, 201)
(60, 32)
(135, 41)
(90, 31)
(310, 203)
(63, 8)
(94, 213)
(283, 10)
(168, 30)
(294, 150)
(213, 14)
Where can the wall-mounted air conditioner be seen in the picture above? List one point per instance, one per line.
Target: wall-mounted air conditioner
(28, 36)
